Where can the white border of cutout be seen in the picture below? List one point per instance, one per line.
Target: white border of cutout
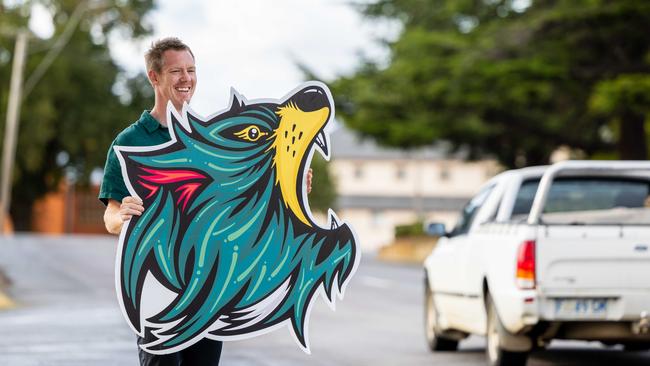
(338, 292)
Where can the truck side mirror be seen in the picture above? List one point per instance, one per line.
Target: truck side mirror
(436, 229)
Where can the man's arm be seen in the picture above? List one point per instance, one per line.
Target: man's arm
(310, 174)
(116, 214)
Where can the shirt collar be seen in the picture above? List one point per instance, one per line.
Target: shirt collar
(148, 122)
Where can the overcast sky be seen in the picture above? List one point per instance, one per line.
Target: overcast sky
(254, 45)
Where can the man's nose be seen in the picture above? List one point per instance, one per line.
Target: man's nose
(185, 75)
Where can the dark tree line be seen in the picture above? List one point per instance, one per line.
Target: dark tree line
(508, 82)
(73, 111)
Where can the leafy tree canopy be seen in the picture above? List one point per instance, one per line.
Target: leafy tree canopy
(82, 100)
(507, 79)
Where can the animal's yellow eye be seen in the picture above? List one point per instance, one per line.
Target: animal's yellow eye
(251, 133)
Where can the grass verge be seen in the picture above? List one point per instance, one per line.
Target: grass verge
(411, 249)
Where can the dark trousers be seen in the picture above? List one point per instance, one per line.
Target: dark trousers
(205, 352)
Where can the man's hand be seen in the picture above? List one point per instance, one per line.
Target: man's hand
(117, 213)
(130, 206)
(310, 173)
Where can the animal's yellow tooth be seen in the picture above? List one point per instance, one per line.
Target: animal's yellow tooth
(295, 133)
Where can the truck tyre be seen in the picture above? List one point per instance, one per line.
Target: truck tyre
(434, 336)
(636, 346)
(496, 355)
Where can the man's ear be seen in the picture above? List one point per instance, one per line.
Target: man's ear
(153, 77)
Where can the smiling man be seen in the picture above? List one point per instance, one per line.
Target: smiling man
(172, 73)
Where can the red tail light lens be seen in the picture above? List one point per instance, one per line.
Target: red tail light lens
(525, 277)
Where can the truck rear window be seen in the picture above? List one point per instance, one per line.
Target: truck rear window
(586, 200)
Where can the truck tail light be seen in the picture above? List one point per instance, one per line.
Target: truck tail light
(525, 277)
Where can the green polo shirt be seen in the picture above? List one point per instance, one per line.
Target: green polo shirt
(146, 131)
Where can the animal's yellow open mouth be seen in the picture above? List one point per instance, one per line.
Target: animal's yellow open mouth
(297, 133)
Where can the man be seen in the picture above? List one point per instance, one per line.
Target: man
(172, 73)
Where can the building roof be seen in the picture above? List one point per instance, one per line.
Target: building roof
(347, 144)
(402, 203)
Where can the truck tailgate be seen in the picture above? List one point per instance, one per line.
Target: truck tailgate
(592, 259)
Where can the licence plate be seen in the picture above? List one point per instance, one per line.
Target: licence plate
(581, 308)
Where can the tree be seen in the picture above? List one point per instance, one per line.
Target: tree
(505, 81)
(625, 101)
(73, 111)
(323, 193)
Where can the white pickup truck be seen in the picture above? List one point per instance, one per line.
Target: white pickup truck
(542, 253)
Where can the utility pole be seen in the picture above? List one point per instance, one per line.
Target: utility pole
(16, 94)
(11, 126)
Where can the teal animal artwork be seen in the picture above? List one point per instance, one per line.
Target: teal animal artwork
(227, 247)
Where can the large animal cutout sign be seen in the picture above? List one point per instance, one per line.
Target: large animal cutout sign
(227, 247)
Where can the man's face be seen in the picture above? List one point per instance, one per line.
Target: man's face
(177, 79)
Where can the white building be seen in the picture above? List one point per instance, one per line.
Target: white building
(380, 188)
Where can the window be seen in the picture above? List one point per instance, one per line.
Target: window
(377, 218)
(470, 210)
(588, 200)
(524, 200)
(358, 171)
(445, 174)
(400, 173)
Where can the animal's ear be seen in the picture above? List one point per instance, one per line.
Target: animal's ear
(236, 101)
(180, 130)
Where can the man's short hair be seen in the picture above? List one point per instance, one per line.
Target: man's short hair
(154, 56)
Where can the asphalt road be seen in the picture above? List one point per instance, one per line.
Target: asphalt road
(68, 315)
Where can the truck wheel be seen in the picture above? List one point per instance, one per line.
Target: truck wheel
(497, 356)
(636, 346)
(435, 339)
